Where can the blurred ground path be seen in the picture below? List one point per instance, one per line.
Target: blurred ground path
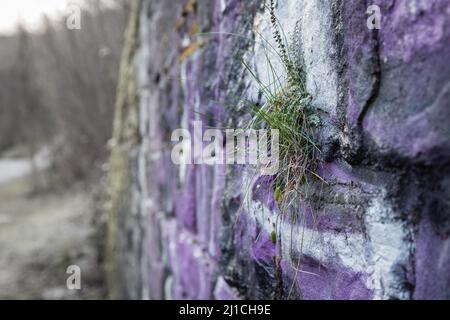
(40, 236)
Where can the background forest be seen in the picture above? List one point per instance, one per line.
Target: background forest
(57, 94)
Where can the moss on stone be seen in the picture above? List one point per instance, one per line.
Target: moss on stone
(125, 138)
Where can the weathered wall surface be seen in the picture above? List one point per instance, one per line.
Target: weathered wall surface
(379, 228)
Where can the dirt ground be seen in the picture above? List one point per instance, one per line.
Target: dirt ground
(40, 236)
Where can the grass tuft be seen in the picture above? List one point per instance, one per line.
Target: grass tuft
(288, 109)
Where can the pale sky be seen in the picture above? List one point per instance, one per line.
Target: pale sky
(29, 12)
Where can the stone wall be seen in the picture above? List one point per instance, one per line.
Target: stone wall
(378, 229)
